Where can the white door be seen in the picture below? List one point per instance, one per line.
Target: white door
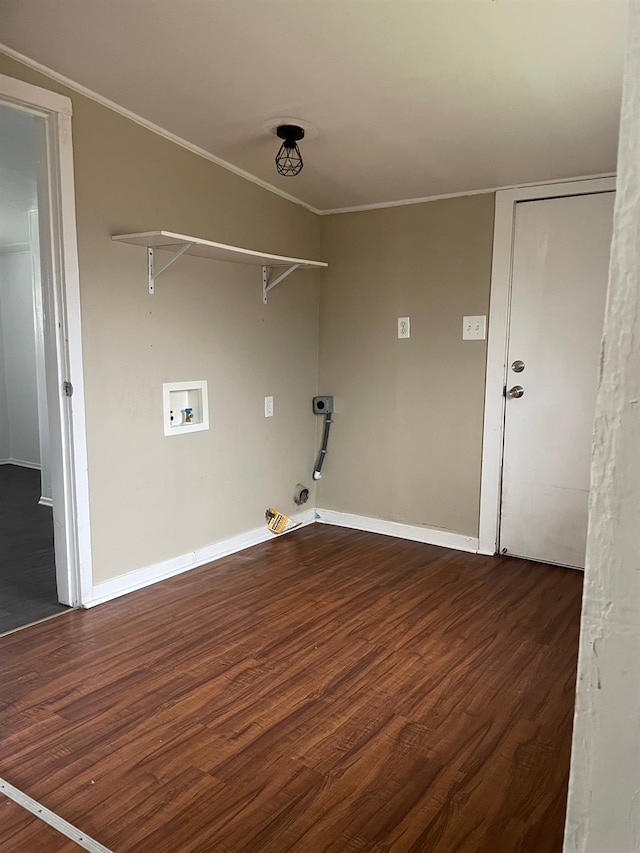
(558, 291)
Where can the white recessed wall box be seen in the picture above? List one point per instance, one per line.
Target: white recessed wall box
(186, 406)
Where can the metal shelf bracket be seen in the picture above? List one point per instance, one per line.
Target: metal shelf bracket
(152, 272)
(269, 285)
(278, 266)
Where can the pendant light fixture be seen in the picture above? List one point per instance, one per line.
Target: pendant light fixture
(288, 159)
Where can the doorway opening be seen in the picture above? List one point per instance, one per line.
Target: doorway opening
(28, 590)
(44, 521)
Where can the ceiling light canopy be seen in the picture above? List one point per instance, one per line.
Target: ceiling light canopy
(289, 159)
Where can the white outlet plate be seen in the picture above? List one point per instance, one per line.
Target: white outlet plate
(474, 328)
(404, 327)
(268, 407)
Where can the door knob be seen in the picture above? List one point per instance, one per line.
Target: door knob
(516, 392)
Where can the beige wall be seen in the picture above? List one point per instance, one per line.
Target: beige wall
(153, 498)
(407, 438)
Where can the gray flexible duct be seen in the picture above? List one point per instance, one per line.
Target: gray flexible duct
(328, 420)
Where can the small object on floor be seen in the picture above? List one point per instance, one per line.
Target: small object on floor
(278, 523)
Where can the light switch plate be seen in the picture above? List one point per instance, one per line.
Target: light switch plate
(404, 327)
(474, 328)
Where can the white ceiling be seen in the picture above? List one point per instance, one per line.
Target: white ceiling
(412, 98)
(18, 176)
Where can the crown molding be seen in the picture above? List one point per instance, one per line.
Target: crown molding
(149, 125)
(207, 155)
(422, 200)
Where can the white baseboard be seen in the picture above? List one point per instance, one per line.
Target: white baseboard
(140, 578)
(430, 536)
(45, 501)
(121, 585)
(36, 466)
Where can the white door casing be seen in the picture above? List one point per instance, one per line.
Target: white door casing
(61, 308)
(497, 345)
(558, 293)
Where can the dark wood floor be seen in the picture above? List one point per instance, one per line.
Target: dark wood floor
(22, 832)
(327, 691)
(27, 564)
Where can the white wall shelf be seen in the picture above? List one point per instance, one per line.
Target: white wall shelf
(180, 244)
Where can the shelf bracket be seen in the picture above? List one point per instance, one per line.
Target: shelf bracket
(269, 285)
(152, 272)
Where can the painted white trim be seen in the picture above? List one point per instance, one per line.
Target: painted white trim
(22, 463)
(149, 125)
(75, 443)
(422, 200)
(123, 584)
(45, 501)
(427, 535)
(207, 155)
(60, 264)
(132, 581)
(498, 340)
(140, 578)
(22, 94)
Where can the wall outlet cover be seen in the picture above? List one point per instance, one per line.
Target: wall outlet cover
(323, 405)
(474, 328)
(404, 327)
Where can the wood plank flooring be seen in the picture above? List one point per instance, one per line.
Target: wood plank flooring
(22, 831)
(27, 562)
(327, 691)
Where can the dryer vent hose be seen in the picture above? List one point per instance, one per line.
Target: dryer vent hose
(323, 450)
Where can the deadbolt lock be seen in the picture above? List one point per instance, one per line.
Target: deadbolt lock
(517, 366)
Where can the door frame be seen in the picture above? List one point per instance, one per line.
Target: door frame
(61, 286)
(498, 340)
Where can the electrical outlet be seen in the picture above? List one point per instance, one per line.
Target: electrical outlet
(268, 407)
(404, 327)
(474, 328)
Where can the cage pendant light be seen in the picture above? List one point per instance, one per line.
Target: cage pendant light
(289, 158)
